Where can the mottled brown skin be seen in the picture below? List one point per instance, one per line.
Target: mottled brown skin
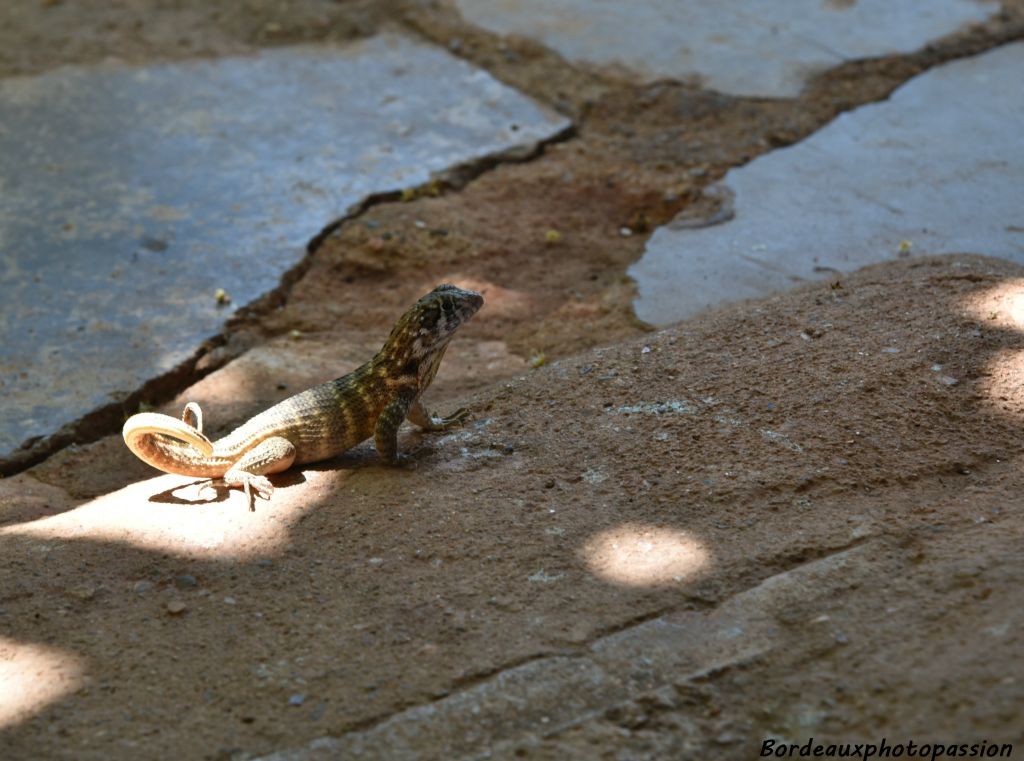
(323, 421)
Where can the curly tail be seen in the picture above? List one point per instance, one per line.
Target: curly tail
(138, 432)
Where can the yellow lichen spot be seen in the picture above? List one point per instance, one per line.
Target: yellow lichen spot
(222, 297)
(295, 334)
(905, 246)
(539, 359)
(552, 236)
(408, 194)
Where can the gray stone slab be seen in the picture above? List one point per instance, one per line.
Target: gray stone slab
(744, 47)
(938, 167)
(551, 694)
(129, 195)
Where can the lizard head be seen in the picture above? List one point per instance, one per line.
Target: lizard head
(439, 314)
(428, 326)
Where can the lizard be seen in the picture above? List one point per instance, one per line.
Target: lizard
(325, 420)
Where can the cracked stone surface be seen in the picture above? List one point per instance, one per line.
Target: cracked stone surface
(128, 196)
(794, 517)
(852, 587)
(888, 179)
(743, 47)
(551, 695)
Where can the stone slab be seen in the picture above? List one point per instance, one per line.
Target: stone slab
(551, 694)
(743, 47)
(937, 168)
(128, 196)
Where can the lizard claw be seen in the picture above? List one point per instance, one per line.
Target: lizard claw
(444, 423)
(402, 460)
(262, 486)
(213, 485)
(249, 483)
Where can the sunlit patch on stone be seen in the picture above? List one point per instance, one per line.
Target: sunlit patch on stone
(1000, 308)
(33, 676)
(181, 516)
(639, 555)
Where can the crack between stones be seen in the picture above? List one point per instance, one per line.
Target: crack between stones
(584, 653)
(108, 419)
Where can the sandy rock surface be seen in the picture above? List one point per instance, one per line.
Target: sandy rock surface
(788, 518)
(666, 474)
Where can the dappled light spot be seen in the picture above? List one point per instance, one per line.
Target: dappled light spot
(182, 516)
(639, 555)
(1003, 382)
(1002, 308)
(32, 676)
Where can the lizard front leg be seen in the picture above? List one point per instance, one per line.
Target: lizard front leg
(418, 415)
(385, 433)
(271, 455)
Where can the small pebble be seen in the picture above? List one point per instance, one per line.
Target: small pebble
(229, 600)
(296, 699)
(948, 380)
(890, 350)
(141, 587)
(175, 607)
(625, 232)
(185, 581)
(376, 561)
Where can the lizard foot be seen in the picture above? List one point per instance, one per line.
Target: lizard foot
(214, 485)
(402, 460)
(249, 483)
(444, 423)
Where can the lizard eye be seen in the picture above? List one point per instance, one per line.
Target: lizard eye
(430, 319)
(448, 308)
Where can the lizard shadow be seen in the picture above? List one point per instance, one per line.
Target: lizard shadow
(220, 490)
(358, 458)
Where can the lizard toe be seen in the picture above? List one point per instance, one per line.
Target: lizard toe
(262, 486)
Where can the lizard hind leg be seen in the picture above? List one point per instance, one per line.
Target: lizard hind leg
(271, 455)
